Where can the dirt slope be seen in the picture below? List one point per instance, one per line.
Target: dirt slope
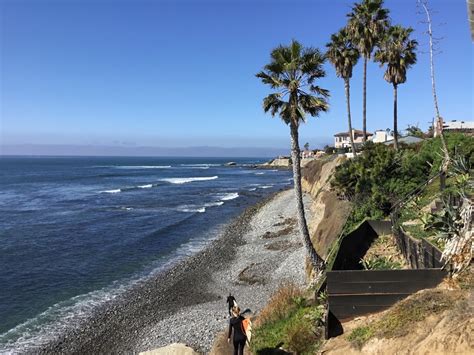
(449, 332)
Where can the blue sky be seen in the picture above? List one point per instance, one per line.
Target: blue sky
(181, 73)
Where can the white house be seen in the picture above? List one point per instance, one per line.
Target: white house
(342, 139)
(381, 136)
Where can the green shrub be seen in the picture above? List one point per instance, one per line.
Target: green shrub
(301, 337)
(380, 176)
(360, 335)
(301, 331)
(380, 263)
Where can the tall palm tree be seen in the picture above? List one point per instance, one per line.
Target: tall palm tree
(367, 23)
(398, 51)
(342, 53)
(292, 73)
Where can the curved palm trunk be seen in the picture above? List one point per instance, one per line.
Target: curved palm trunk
(395, 118)
(316, 261)
(364, 101)
(347, 87)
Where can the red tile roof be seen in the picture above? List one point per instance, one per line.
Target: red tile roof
(356, 132)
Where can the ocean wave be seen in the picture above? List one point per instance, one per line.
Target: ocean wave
(148, 186)
(259, 173)
(199, 209)
(43, 328)
(259, 186)
(229, 196)
(116, 191)
(200, 165)
(190, 179)
(191, 209)
(141, 166)
(214, 204)
(125, 189)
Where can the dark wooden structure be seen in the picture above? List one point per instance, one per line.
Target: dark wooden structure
(354, 246)
(419, 253)
(354, 292)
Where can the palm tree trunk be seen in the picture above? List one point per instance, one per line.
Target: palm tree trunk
(347, 87)
(364, 101)
(316, 261)
(395, 123)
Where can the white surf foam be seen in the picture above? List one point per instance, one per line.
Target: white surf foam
(229, 196)
(30, 336)
(253, 189)
(142, 166)
(145, 186)
(190, 179)
(44, 327)
(200, 165)
(191, 209)
(214, 204)
(116, 191)
(259, 173)
(266, 186)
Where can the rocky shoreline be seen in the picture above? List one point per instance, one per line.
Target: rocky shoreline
(186, 303)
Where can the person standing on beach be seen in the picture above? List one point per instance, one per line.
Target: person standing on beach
(231, 303)
(239, 338)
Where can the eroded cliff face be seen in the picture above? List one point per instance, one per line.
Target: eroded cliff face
(329, 212)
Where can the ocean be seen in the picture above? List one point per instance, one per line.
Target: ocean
(75, 232)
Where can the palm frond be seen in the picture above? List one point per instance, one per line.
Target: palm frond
(293, 69)
(398, 52)
(367, 24)
(342, 53)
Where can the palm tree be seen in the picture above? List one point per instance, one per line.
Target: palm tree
(398, 51)
(367, 24)
(292, 73)
(344, 56)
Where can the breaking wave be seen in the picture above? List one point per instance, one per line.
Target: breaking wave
(190, 179)
(229, 196)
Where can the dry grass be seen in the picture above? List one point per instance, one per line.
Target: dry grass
(302, 337)
(384, 247)
(465, 279)
(281, 304)
(400, 319)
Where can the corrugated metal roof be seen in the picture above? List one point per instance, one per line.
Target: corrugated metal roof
(458, 125)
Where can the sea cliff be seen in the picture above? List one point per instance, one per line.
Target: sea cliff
(329, 213)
